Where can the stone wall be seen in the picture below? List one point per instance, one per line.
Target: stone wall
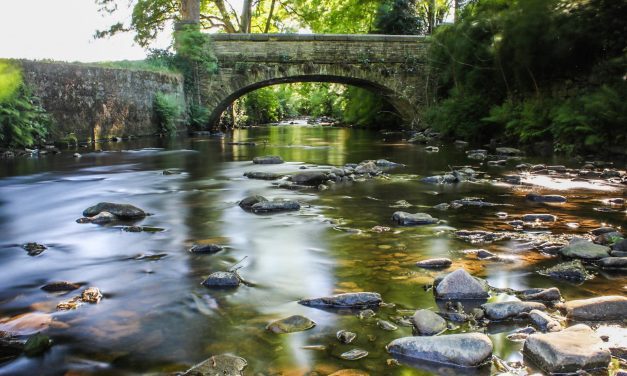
(97, 103)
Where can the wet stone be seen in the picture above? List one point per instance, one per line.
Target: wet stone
(465, 350)
(249, 201)
(206, 248)
(309, 178)
(613, 263)
(34, 249)
(509, 310)
(268, 159)
(609, 238)
(366, 314)
(545, 198)
(354, 354)
(386, 325)
(61, 286)
(551, 294)
(346, 337)
(222, 279)
(37, 344)
(539, 218)
(471, 202)
(582, 248)
(275, 206)
(436, 263)
(260, 175)
(571, 271)
(91, 295)
(219, 365)
(602, 230)
(459, 285)
(408, 219)
(603, 308)
(544, 322)
(122, 211)
(291, 324)
(346, 300)
(570, 350)
(428, 323)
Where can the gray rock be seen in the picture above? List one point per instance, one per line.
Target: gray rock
(571, 271)
(602, 230)
(268, 159)
(367, 167)
(275, 206)
(387, 164)
(222, 279)
(261, 175)
(613, 263)
(545, 198)
(296, 323)
(207, 248)
(460, 143)
(436, 263)
(539, 218)
(507, 151)
(122, 211)
(443, 206)
(346, 300)
(249, 201)
(582, 248)
(459, 285)
(366, 314)
(570, 350)
(477, 156)
(386, 325)
(466, 350)
(345, 337)
(408, 219)
(544, 322)
(603, 308)
(310, 178)
(428, 323)
(551, 294)
(354, 354)
(509, 310)
(618, 253)
(219, 365)
(609, 238)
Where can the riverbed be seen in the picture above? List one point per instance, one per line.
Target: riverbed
(156, 317)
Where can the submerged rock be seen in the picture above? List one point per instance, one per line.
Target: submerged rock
(275, 206)
(61, 286)
(222, 279)
(570, 350)
(296, 323)
(582, 248)
(539, 218)
(122, 211)
(206, 248)
(428, 323)
(367, 167)
(545, 198)
(551, 294)
(310, 178)
(37, 344)
(508, 310)
(465, 350)
(346, 300)
(435, 263)
(268, 159)
(261, 175)
(459, 285)
(408, 219)
(34, 249)
(571, 271)
(603, 308)
(471, 202)
(354, 354)
(249, 201)
(613, 263)
(219, 365)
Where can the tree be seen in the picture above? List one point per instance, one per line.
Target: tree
(398, 17)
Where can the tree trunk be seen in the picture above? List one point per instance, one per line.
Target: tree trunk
(190, 11)
(434, 11)
(246, 16)
(269, 20)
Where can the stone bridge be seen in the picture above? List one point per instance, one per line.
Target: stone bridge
(392, 66)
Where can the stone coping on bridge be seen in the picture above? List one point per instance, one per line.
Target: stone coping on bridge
(317, 37)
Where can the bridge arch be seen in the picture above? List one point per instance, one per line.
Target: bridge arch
(392, 66)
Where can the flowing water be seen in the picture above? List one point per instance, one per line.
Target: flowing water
(156, 317)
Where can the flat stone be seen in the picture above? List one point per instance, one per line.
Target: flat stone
(354, 354)
(206, 248)
(408, 219)
(459, 285)
(570, 350)
(268, 159)
(571, 271)
(539, 218)
(542, 295)
(222, 279)
(466, 350)
(386, 163)
(310, 178)
(613, 263)
(275, 206)
(428, 323)
(386, 325)
(435, 263)
(248, 202)
(346, 300)
(219, 365)
(545, 198)
(544, 322)
(603, 308)
(60, 286)
(507, 151)
(508, 310)
(260, 175)
(582, 248)
(122, 211)
(296, 323)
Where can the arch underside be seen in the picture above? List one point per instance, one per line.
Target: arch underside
(400, 104)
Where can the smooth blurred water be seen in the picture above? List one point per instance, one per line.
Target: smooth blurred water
(156, 317)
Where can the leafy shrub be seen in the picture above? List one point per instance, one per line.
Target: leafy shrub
(167, 110)
(23, 121)
(198, 116)
(461, 116)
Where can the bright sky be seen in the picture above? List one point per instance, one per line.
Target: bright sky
(63, 30)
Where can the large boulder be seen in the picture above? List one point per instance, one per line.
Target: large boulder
(122, 211)
(603, 308)
(346, 300)
(584, 249)
(219, 365)
(408, 219)
(459, 285)
(508, 310)
(268, 159)
(465, 350)
(312, 178)
(570, 350)
(428, 323)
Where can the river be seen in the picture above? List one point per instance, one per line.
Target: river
(155, 316)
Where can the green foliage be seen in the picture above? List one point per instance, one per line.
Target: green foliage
(10, 79)
(460, 116)
(23, 121)
(398, 17)
(195, 47)
(198, 116)
(167, 111)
